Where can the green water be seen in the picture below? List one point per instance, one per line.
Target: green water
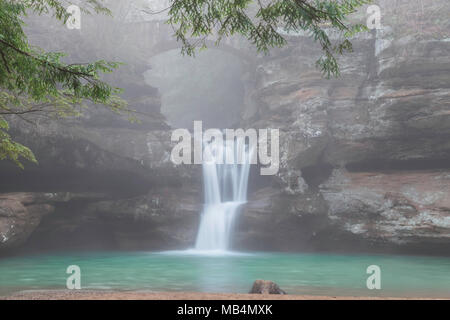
(319, 274)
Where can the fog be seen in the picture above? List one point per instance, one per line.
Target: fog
(363, 157)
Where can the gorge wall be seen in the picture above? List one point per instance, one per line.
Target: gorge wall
(365, 159)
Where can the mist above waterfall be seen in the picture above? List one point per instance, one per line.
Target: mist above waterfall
(207, 87)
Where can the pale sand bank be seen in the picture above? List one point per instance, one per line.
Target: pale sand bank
(145, 295)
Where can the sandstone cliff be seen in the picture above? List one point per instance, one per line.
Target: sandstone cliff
(365, 159)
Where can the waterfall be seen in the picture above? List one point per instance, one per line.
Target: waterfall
(225, 187)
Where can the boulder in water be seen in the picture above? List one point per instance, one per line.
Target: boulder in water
(266, 287)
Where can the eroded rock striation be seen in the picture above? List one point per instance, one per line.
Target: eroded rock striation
(365, 159)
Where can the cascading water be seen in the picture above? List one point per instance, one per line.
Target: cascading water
(225, 188)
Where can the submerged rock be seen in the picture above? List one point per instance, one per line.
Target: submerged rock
(266, 287)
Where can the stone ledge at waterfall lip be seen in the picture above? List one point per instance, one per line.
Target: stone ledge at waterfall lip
(226, 203)
(218, 253)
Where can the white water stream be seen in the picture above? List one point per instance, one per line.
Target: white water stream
(225, 188)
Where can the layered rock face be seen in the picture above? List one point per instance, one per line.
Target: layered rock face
(365, 160)
(19, 215)
(400, 207)
(163, 218)
(134, 196)
(98, 186)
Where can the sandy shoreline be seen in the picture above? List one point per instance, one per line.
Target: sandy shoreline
(146, 295)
